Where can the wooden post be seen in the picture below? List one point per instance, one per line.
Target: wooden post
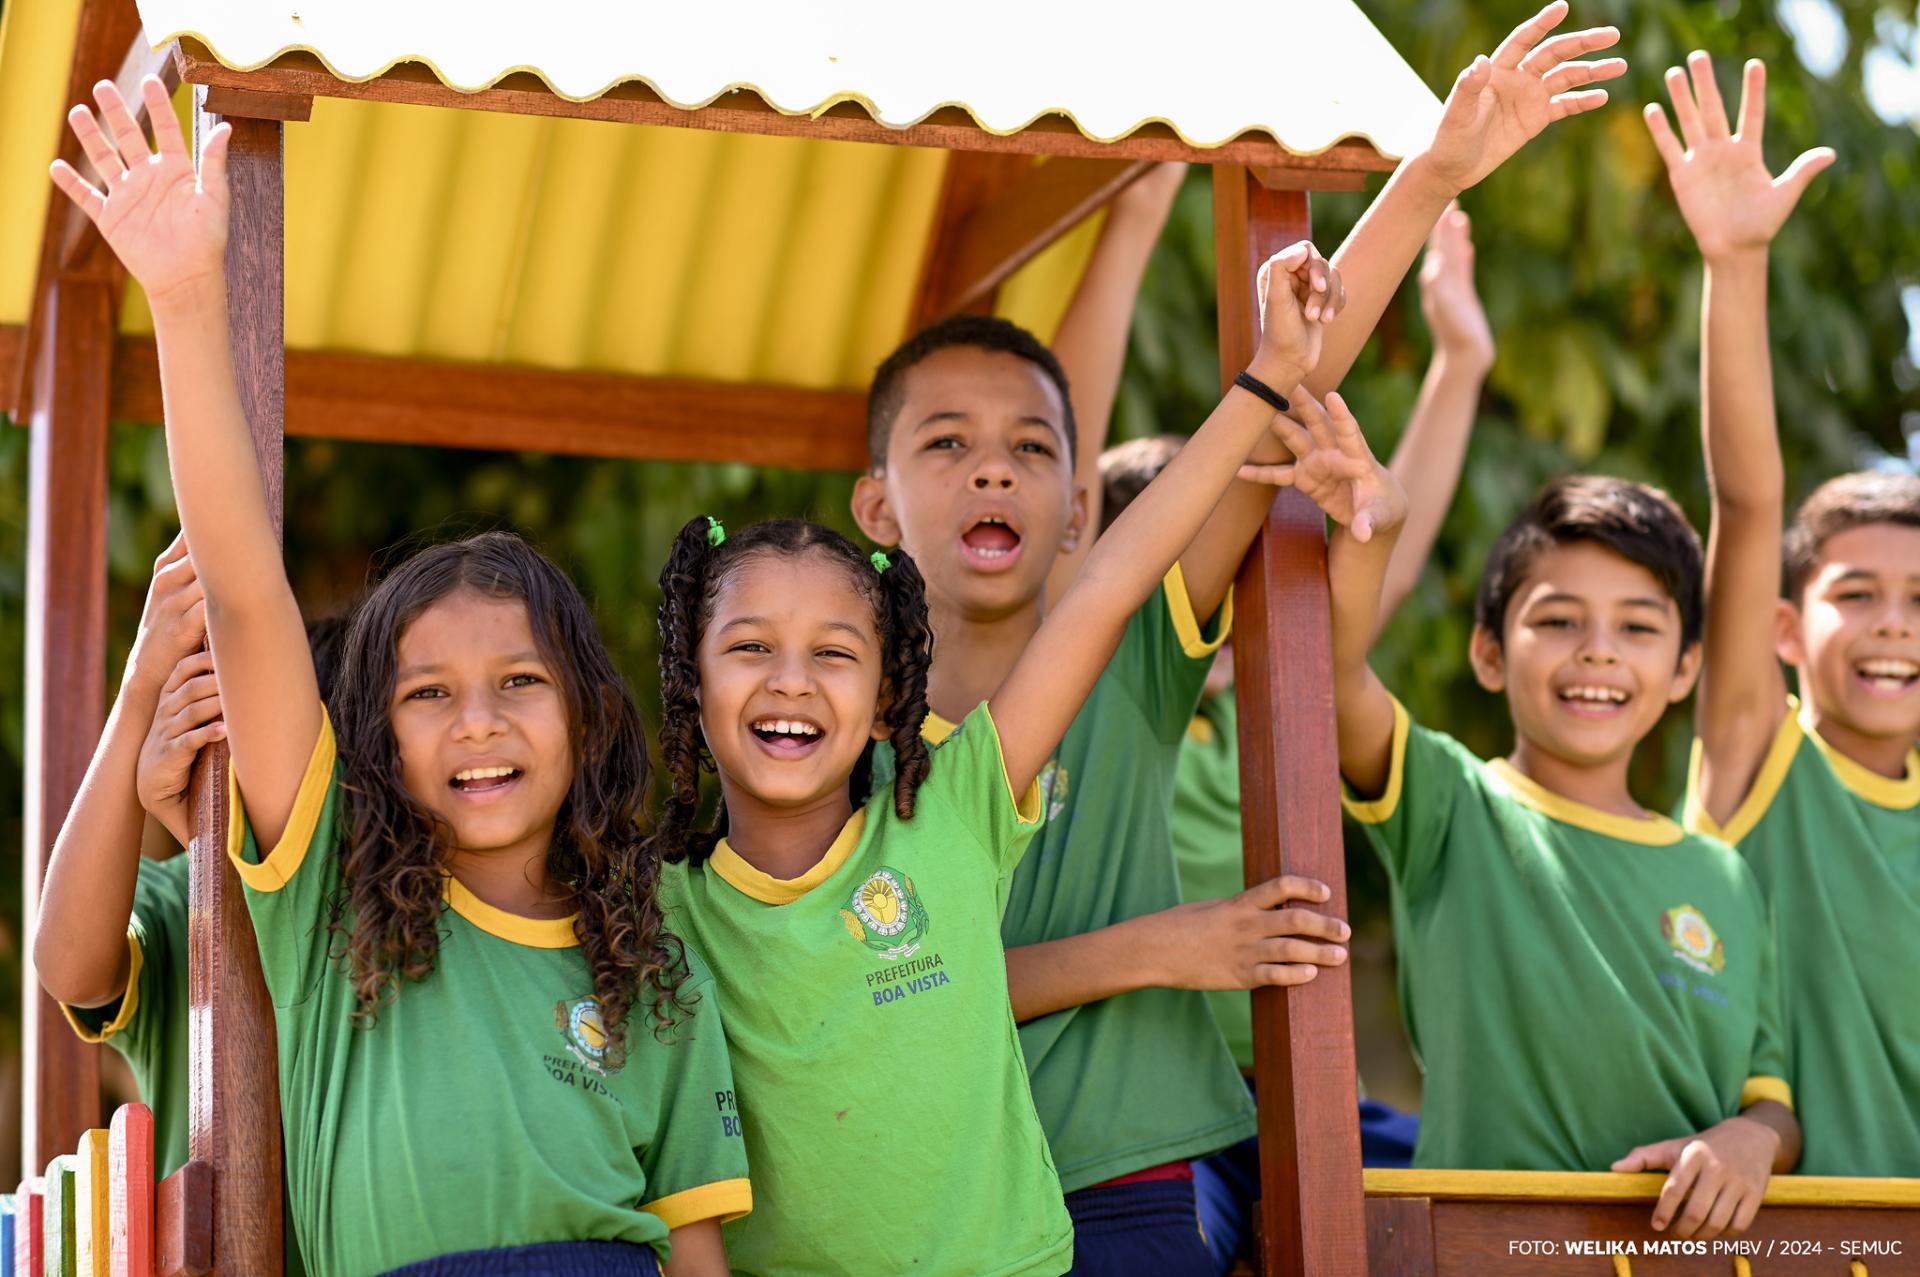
(1312, 1210)
(235, 1093)
(66, 669)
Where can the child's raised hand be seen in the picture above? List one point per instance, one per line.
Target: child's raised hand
(1333, 466)
(1300, 292)
(187, 720)
(1447, 296)
(1252, 939)
(1730, 200)
(1720, 1174)
(172, 623)
(165, 223)
(1500, 103)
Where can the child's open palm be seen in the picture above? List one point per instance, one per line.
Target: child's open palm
(1730, 200)
(1448, 297)
(1500, 103)
(166, 223)
(1334, 467)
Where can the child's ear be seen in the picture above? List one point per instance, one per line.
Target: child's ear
(1077, 512)
(872, 511)
(1686, 674)
(1787, 643)
(880, 730)
(1489, 659)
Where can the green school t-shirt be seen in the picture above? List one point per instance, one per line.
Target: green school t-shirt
(877, 1066)
(1206, 841)
(1836, 848)
(1575, 983)
(1145, 1078)
(148, 1023)
(487, 1106)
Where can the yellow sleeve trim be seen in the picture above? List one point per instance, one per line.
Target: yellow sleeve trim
(1762, 1088)
(725, 1200)
(1186, 626)
(1381, 809)
(1026, 805)
(1760, 795)
(129, 1000)
(276, 869)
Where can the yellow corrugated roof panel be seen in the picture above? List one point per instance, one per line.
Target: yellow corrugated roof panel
(36, 48)
(1308, 72)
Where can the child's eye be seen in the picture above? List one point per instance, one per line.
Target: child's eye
(943, 443)
(524, 680)
(1036, 447)
(754, 646)
(1555, 622)
(427, 694)
(1641, 627)
(837, 653)
(1853, 596)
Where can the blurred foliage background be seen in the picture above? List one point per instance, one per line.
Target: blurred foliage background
(1589, 279)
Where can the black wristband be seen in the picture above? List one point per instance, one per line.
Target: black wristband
(1254, 386)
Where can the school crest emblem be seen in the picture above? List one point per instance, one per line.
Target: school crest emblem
(1693, 939)
(885, 915)
(585, 1032)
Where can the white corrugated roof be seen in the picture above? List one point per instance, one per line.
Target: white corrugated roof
(1308, 72)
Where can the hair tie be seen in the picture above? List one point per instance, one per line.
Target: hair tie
(716, 534)
(880, 561)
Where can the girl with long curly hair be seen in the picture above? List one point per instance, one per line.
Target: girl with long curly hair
(494, 1058)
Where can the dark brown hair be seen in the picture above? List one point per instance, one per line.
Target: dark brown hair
(888, 393)
(1849, 501)
(1127, 468)
(1640, 524)
(695, 571)
(394, 855)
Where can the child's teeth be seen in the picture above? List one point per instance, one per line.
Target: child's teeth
(483, 773)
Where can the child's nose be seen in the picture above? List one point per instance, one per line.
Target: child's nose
(477, 718)
(994, 473)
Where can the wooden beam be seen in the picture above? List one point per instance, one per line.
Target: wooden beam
(66, 671)
(234, 1092)
(107, 33)
(973, 180)
(13, 348)
(183, 1222)
(258, 106)
(1312, 1211)
(1007, 231)
(381, 399)
(301, 74)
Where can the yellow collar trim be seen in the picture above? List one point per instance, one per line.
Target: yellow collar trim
(1882, 791)
(936, 729)
(767, 889)
(534, 933)
(1650, 831)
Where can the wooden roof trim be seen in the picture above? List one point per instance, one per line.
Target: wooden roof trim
(300, 74)
(437, 403)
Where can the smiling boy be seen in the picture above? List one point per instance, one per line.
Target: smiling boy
(1821, 795)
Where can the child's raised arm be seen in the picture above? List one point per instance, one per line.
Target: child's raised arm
(1059, 667)
(80, 938)
(1092, 341)
(1334, 467)
(168, 225)
(1497, 105)
(1734, 207)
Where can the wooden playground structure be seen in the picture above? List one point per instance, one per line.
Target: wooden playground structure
(67, 370)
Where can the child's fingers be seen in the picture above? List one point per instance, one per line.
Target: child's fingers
(1722, 1213)
(213, 158)
(1346, 430)
(1307, 924)
(78, 189)
(1804, 169)
(1679, 1183)
(1287, 951)
(189, 667)
(1298, 440)
(1554, 52)
(1572, 75)
(1692, 132)
(1521, 40)
(1753, 102)
(175, 551)
(120, 122)
(1275, 892)
(1706, 1194)
(160, 117)
(1658, 1156)
(1266, 975)
(1749, 1208)
(1706, 92)
(195, 741)
(1272, 476)
(1570, 104)
(181, 700)
(1671, 152)
(99, 151)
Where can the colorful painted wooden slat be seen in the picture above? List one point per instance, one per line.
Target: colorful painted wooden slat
(90, 1205)
(6, 1233)
(56, 1218)
(183, 1222)
(28, 1246)
(130, 1176)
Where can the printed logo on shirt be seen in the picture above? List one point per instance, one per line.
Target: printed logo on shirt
(585, 1032)
(1053, 790)
(886, 916)
(1693, 940)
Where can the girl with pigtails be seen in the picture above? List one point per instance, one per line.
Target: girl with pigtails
(494, 1059)
(855, 939)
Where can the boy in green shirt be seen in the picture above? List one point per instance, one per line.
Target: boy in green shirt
(1130, 1076)
(1820, 795)
(1585, 984)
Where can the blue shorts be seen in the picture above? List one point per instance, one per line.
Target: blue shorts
(1149, 1229)
(548, 1259)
